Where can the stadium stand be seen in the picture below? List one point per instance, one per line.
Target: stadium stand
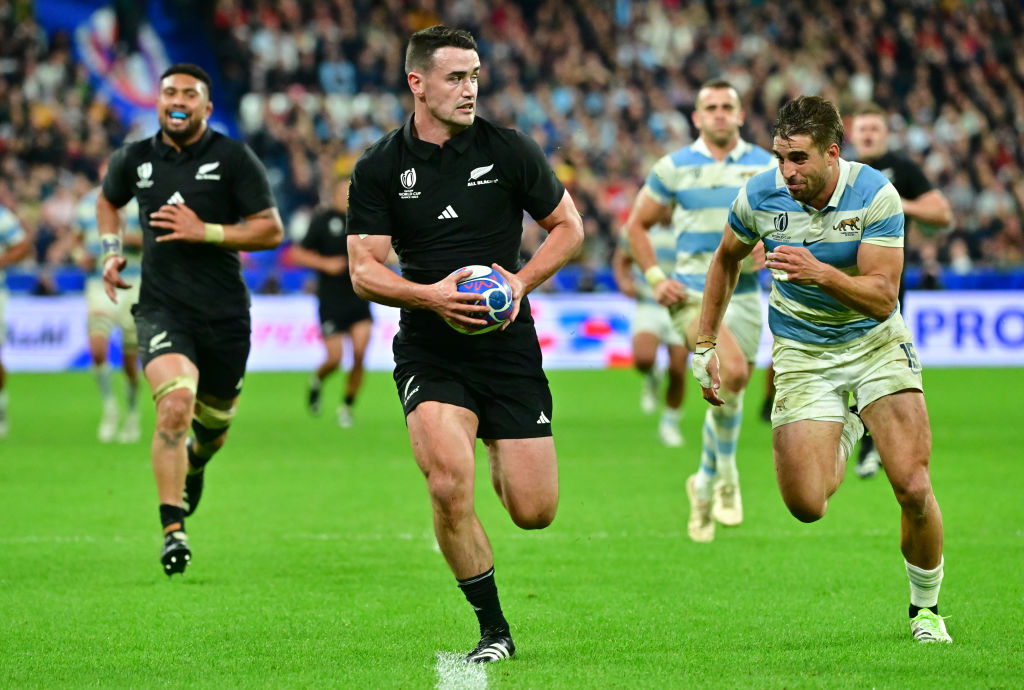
(605, 87)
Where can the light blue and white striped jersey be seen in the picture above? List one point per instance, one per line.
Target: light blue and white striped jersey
(865, 207)
(701, 189)
(663, 240)
(88, 228)
(11, 234)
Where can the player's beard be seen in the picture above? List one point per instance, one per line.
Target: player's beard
(723, 138)
(181, 136)
(812, 186)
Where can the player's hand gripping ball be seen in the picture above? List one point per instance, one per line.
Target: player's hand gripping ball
(497, 296)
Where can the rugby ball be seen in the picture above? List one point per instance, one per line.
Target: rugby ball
(497, 296)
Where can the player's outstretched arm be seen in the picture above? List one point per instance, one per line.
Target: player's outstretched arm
(15, 253)
(331, 265)
(565, 237)
(621, 263)
(718, 287)
(374, 281)
(931, 208)
(108, 222)
(261, 230)
(644, 215)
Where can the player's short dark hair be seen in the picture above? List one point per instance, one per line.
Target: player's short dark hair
(870, 109)
(192, 71)
(423, 44)
(718, 84)
(813, 116)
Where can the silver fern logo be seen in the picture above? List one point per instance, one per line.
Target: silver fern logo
(206, 171)
(476, 173)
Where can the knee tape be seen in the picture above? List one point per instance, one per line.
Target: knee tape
(211, 417)
(183, 381)
(209, 423)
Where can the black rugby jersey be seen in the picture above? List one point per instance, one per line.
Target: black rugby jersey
(906, 176)
(910, 182)
(223, 182)
(452, 206)
(326, 236)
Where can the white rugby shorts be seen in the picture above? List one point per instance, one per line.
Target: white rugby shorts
(813, 381)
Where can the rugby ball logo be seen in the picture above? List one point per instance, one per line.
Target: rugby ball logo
(496, 295)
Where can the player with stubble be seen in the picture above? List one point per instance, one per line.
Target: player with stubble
(447, 190)
(834, 234)
(202, 198)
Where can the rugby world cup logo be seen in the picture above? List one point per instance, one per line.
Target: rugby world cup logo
(408, 179)
(781, 222)
(145, 172)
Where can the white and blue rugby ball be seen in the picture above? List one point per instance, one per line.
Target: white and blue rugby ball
(497, 296)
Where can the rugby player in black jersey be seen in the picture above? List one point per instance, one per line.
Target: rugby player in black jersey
(342, 312)
(202, 197)
(447, 190)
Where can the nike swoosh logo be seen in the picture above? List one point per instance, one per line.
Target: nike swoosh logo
(808, 244)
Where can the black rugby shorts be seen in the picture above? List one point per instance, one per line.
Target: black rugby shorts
(507, 406)
(219, 349)
(338, 316)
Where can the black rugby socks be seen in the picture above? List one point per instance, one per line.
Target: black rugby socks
(482, 594)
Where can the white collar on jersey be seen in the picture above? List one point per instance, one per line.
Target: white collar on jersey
(741, 147)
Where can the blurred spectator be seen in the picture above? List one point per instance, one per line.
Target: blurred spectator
(603, 87)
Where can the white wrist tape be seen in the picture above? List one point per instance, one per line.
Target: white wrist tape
(654, 275)
(699, 364)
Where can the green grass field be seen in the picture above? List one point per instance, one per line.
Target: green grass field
(315, 566)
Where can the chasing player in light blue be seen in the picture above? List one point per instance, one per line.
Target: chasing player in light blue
(834, 234)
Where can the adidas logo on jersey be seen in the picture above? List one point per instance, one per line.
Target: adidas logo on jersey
(543, 419)
(176, 198)
(448, 213)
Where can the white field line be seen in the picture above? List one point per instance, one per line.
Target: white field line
(455, 674)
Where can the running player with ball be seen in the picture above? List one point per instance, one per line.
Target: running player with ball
(448, 191)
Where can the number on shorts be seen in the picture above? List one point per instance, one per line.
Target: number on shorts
(912, 361)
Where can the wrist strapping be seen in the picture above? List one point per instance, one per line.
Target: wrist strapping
(110, 245)
(654, 275)
(706, 343)
(214, 233)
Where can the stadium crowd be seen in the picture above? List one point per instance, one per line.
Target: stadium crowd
(606, 87)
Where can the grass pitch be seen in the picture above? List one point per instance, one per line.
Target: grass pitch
(314, 563)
